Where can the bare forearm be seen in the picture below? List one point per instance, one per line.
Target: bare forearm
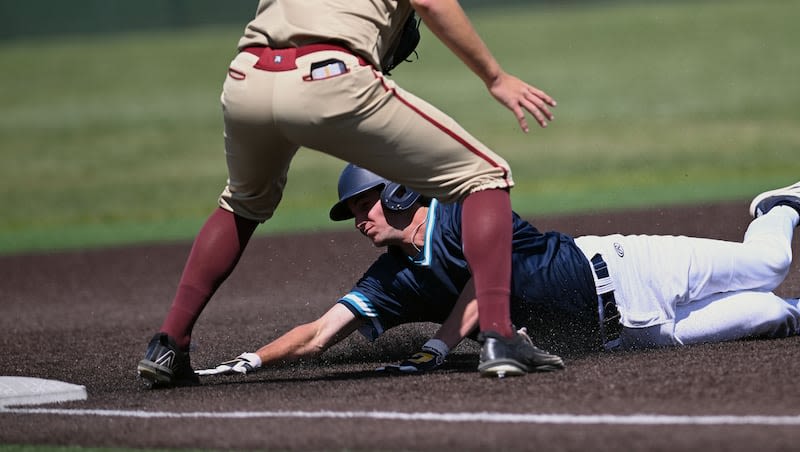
(311, 339)
(447, 20)
(462, 324)
(292, 346)
(463, 319)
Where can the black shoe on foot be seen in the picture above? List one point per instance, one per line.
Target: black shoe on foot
(501, 356)
(165, 365)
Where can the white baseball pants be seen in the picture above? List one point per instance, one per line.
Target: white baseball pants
(677, 290)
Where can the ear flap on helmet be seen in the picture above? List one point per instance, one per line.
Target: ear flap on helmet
(355, 180)
(397, 198)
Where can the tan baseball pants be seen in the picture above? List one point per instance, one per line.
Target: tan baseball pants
(327, 99)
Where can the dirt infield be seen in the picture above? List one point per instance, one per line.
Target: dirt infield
(85, 317)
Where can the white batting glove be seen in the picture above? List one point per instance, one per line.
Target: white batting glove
(431, 357)
(242, 364)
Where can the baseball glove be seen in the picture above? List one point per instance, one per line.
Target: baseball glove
(431, 357)
(406, 44)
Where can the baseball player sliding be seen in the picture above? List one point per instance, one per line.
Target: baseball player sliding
(575, 296)
(313, 73)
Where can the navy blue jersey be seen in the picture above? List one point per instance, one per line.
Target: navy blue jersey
(552, 286)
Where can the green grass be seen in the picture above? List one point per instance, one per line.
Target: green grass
(117, 139)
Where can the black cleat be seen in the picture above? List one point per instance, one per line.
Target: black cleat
(502, 357)
(165, 366)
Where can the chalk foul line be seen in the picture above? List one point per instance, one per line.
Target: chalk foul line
(488, 417)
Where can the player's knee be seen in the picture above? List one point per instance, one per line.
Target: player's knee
(781, 261)
(776, 262)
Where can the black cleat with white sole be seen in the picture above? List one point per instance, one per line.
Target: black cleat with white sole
(501, 356)
(165, 365)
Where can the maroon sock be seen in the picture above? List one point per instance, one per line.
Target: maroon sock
(486, 232)
(215, 253)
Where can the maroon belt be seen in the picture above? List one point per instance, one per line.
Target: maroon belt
(277, 60)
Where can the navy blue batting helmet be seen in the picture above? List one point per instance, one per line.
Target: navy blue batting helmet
(355, 180)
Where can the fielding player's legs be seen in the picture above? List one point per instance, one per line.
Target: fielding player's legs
(258, 159)
(214, 254)
(366, 119)
(255, 185)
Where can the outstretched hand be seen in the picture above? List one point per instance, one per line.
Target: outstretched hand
(519, 97)
(242, 364)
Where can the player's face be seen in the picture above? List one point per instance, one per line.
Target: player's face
(371, 220)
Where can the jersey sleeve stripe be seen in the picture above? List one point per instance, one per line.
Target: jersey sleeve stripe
(427, 248)
(360, 303)
(361, 306)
